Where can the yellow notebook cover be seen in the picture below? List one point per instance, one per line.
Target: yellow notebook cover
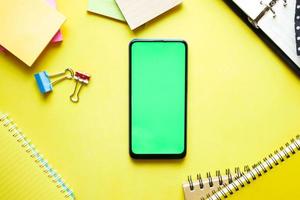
(221, 187)
(27, 27)
(24, 173)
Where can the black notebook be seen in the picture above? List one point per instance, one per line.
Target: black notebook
(274, 22)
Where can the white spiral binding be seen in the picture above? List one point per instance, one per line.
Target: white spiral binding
(258, 169)
(38, 158)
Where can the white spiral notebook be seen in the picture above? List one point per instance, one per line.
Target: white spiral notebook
(24, 173)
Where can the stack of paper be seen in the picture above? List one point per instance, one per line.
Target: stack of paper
(27, 27)
(135, 12)
(58, 37)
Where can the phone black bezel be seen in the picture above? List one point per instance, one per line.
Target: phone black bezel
(158, 156)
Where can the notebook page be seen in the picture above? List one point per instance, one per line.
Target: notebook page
(139, 12)
(251, 7)
(281, 28)
(20, 177)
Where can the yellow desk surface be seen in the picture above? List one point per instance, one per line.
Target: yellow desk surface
(243, 103)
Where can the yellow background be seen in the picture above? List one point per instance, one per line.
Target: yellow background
(243, 103)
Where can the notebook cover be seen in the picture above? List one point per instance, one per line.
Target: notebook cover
(264, 37)
(24, 174)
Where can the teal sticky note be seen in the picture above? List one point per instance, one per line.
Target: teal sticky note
(108, 8)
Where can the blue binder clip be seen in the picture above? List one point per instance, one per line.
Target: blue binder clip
(44, 83)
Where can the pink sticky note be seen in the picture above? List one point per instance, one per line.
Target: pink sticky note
(57, 38)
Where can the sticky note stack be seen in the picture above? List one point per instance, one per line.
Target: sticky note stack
(58, 37)
(28, 26)
(135, 12)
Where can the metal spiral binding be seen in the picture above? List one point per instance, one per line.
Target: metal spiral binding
(262, 167)
(213, 182)
(38, 158)
(231, 177)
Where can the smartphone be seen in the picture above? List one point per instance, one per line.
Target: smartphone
(157, 98)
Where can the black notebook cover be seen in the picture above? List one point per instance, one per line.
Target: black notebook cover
(263, 36)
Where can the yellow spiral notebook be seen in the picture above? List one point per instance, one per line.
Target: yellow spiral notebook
(223, 186)
(24, 173)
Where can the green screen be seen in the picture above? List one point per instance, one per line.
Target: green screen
(158, 84)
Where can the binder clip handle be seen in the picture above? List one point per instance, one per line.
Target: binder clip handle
(67, 74)
(81, 79)
(75, 96)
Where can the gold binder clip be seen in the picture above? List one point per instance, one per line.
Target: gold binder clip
(81, 79)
